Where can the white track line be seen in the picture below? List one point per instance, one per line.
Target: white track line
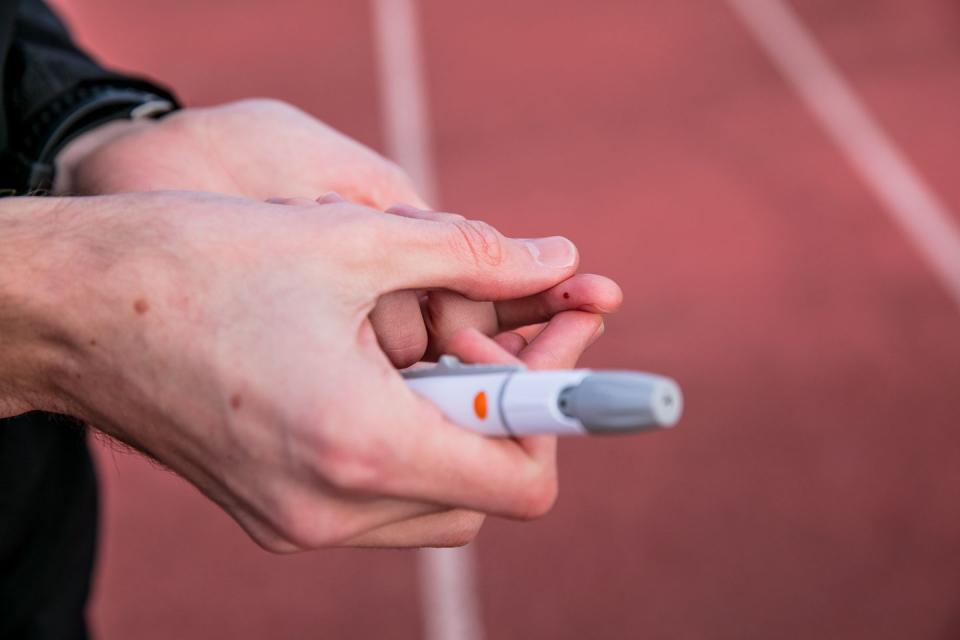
(913, 205)
(447, 587)
(447, 576)
(403, 96)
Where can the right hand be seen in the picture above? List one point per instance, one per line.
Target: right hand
(230, 340)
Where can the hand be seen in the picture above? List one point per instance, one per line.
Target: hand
(264, 148)
(255, 148)
(237, 351)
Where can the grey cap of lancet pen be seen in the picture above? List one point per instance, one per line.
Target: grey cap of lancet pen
(617, 401)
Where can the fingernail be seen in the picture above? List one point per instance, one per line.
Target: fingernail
(330, 198)
(555, 251)
(600, 330)
(402, 208)
(592, 308)
(596, 334)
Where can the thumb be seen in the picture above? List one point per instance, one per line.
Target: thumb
(473, 258)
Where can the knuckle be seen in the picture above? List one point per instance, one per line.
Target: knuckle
(270, 537)
(361, 237)
(348, 475)
(302, 535)
(305, 524)
(280, 543)
(352, 467)
(405, 356)
(276, 544)
(477, 242)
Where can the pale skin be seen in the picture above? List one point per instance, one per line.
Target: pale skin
(247, 345)
(266, 149)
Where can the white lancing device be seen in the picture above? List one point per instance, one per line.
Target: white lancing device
(497, 400)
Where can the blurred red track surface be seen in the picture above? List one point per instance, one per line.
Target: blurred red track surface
(811, 490)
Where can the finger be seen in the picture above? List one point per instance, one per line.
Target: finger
(531, 331)
(447, 312)
(409, 211)
(448, 528)
(294, 202)
(399, 325)
(472, 346)
(331, 197)
(559, 345)
(466, 256)
(563, 340)
(467, 345)
(511, 342)
(585, 292)
(378, 186)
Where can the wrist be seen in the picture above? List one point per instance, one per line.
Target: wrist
(36, 340)
(72, 156)
(29, 163)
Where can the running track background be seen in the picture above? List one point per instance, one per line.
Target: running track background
(813, 488)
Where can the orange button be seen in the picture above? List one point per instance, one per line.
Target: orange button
(480, 405)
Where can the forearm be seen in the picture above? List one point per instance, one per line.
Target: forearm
(35, 342)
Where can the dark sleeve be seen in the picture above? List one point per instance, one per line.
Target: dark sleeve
(44, 62)
(52, 90)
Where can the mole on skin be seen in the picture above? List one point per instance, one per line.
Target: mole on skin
(236, 401)
(141, 306)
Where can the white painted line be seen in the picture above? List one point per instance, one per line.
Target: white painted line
(448, 593)
(449, 600)
(403, 95)
(912, 204)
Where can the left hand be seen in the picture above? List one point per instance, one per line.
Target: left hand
(256, 148)
(559, 345)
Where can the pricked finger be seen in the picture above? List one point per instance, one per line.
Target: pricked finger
(583, 292)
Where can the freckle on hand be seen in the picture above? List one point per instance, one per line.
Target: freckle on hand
(141, 306)
(236, 401)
